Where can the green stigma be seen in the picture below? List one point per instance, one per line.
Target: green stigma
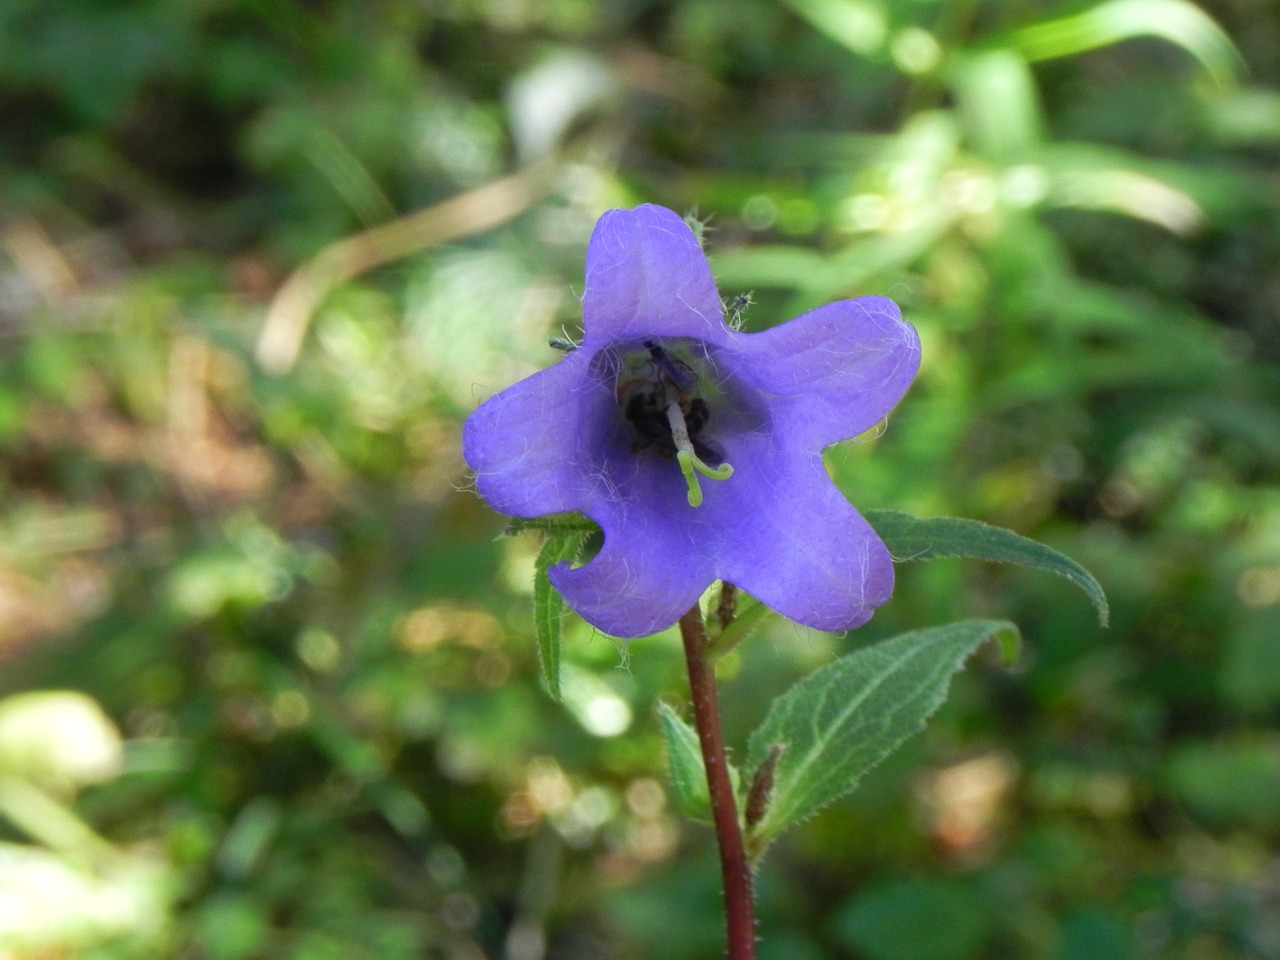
(691, 466)
(690, 463)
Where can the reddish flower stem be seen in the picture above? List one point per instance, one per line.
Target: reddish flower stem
(738, 905)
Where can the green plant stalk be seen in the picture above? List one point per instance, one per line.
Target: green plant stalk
(51, 823)
(734, 867)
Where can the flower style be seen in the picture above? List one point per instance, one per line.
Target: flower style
(662, 391)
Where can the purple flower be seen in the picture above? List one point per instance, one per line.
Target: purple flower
(662, 391)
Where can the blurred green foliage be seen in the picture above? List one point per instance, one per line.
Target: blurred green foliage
(315, 653)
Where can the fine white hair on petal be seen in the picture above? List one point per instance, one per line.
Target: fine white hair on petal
(770, 402)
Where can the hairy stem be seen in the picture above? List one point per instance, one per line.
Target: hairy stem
(739, 909)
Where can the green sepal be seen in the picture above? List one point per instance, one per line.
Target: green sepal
(563, 544)
(751, 616)
(556, 523)
(911, 538)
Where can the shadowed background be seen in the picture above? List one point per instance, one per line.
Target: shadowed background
(269, 682)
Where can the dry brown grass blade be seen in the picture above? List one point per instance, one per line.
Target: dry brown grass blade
(307, 288)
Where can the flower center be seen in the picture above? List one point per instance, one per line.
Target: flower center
(661, 403)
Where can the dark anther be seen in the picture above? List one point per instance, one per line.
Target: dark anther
(670, 370)
(665, 379)
(696, 416)
(650, 421)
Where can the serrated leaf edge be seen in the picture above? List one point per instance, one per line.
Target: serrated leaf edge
(549, 607)
(1070, 570)
(763, 833)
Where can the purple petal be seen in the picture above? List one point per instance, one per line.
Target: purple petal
(778, 528)
(647, 576)
(799, 546)
(525, 444)
(647, 277)
(835, 372)
(656, 560)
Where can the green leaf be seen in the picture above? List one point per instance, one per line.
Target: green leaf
(838, 723)
(856, 24)
(688, 775)
(1176, 21)
(548, 605)
(684, 757)
(1088, 177)
(1191, 194)
(765, 266)
(1250, 115)
(1229, 782)
(908, 919)
(1000, 104)
(911, 538)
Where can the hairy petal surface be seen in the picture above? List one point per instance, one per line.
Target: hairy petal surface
(835, 372)
(656, 560)
(525, 445)
(646, 577)
(800, 547)
(648, 278)
(562, 441)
